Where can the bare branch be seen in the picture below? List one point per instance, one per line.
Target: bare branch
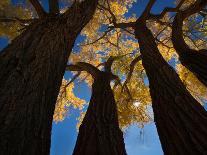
(116, 25)
(54, 7)
(105, 33)
(38, 8)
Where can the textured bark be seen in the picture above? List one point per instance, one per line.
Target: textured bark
(181, 121)
(195, 61)
(31, 71)
(99, 133)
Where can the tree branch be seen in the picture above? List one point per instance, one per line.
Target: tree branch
(83, 66)
(38, 8)
(111, 59)
(147, 10)
(177, 32)
(105, 33)
(54, 7)
(166, 10)
(15, 19)
(123, 25)
(132, 66)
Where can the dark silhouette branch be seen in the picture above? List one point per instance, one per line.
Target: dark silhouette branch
(166, 10)
(131, 70)
(83, 66)
(104, 34)
(38, 8)
(195, 61)
(146, 13)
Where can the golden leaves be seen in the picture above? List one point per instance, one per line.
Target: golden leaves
(66, 98)
(195, 87)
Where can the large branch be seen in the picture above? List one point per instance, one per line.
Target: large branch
(147, 10)
(195, 61)
(177, 32)
(83, 66)
(54, 7)
(38, 8)
(166, 10)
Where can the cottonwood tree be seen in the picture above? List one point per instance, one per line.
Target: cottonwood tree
(176, 112)
(99, 132)
(180, 119)
(32, 67)
(195, 61)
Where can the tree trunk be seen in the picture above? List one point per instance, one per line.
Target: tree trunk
(31, 71)
(181, 121)
(195, 61)
(99, 133)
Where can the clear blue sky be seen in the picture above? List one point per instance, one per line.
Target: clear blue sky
(64, 134)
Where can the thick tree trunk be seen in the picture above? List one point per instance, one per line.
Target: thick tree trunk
(31, 71)
(99, 133)
(181, 121)
(195, 61)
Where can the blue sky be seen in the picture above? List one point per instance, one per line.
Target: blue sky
(138, 141)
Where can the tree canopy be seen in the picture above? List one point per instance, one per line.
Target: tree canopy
(103, 39)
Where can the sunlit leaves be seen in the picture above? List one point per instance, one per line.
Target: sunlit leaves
(196, 88)
(66, 98)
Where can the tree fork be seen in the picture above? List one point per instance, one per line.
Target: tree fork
(99, 133)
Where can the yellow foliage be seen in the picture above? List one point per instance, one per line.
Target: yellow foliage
(66, 98)
(195, 87)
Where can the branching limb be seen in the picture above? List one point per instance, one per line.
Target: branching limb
(146, 13)
(166, 10)
(83, 66)
(131, 70)
(114, 21)
(38, 8)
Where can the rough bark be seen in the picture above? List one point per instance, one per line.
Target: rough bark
(181, 121)
(195, 61)
(31, 71)
(99, 133)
